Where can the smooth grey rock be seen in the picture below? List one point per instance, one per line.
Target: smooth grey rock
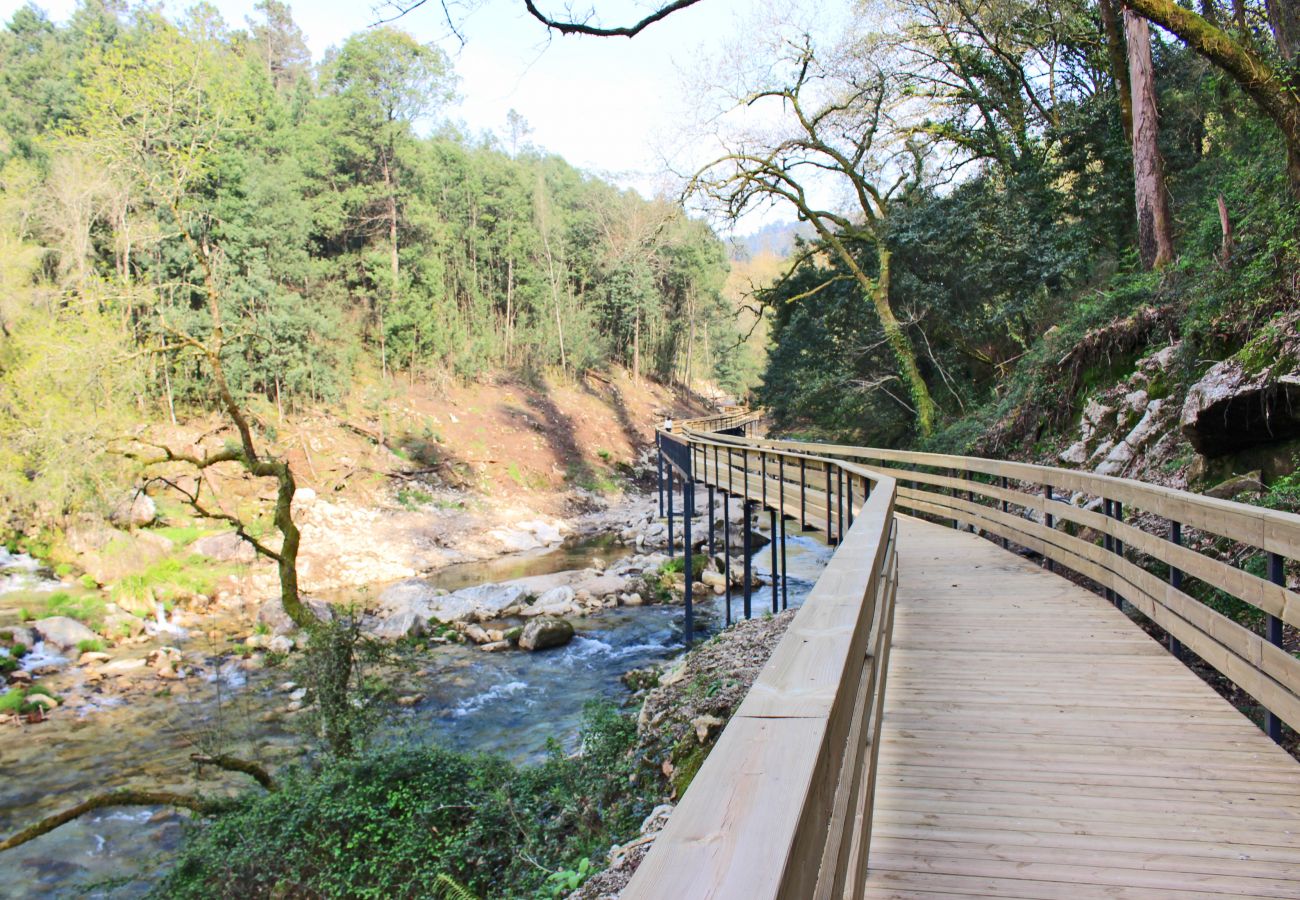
(63, 632)
(135, 511)
(225, 547)
(397, 626)
(545, 632)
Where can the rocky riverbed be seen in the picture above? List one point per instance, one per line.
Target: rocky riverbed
(205, 676)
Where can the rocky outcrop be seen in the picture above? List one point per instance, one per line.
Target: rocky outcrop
(62, 632)
(545, 632)
(225, 547)
(1230, 409)
(135, 511)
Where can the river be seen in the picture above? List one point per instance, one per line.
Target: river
(508, 703)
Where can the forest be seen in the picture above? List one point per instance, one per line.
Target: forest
(345, 222)
(1079, 189)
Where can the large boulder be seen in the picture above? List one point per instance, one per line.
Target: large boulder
(135, 511)
(558, 601)
(479, 603)
(397, 626)
(545, 632)
(272, 614)
(1230, 409)
(62, 632)
(225, 547)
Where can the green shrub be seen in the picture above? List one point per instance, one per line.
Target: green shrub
(394, 822)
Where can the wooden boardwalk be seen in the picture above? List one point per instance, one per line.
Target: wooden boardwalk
(1037, 743)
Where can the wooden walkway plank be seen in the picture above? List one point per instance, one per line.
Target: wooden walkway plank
(1038, 744)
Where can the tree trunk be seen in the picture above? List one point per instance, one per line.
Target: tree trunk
(1155, 243)
(394, 263)
(1284, 21)
(1117, 55)
(901, 346)
(1262, 82)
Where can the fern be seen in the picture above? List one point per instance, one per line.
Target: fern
(447, 888)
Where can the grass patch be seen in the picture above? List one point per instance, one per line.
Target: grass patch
(86, 608)
(90, 645)
(182, 535)
(170, 579)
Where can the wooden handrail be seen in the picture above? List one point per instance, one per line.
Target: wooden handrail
(1092, 525)
(782, 806)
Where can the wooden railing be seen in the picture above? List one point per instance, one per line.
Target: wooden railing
(782, 806)
(1138, 542)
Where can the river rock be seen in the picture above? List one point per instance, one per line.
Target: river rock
(272, 614)
(92, 656)
(122, 625)
(41, 700)
(397, 626)
(225, 547)
(558, 601)
(1230, 409)
(477, 634)
(495, 646)
(479, 603)
(19, 634)
(135, 511)
(715, 580)
(123, 666)
(281, 644)
(63, 632)
(545, 632)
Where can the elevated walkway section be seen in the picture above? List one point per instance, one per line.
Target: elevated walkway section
(1037, 743)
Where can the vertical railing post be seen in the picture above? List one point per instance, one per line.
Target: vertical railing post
(1117, 509)
(849, 487)
(830, 538)
(952, 492)
(659, 470)
(776, 574)
(712, 526)
(839, 504)
(688, 510)
(749, 549)
(785, 574)
(1273, 634)
(803, 492)
(1108, 543)
(1005, 508)
(970, 498)
(1049, 520)
(1175, 580)
(671, 543)
(726, 547)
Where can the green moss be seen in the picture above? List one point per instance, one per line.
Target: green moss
(686, 765)
(12, 700)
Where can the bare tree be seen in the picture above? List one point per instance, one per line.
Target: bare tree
(843, 123)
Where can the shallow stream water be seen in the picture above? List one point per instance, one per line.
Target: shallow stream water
(509, 703)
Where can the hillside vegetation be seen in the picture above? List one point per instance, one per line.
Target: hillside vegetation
(1015, 263)
(344, 230)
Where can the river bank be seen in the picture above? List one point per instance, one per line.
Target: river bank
(139, 730)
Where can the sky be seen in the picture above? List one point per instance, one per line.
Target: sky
(607, 105)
